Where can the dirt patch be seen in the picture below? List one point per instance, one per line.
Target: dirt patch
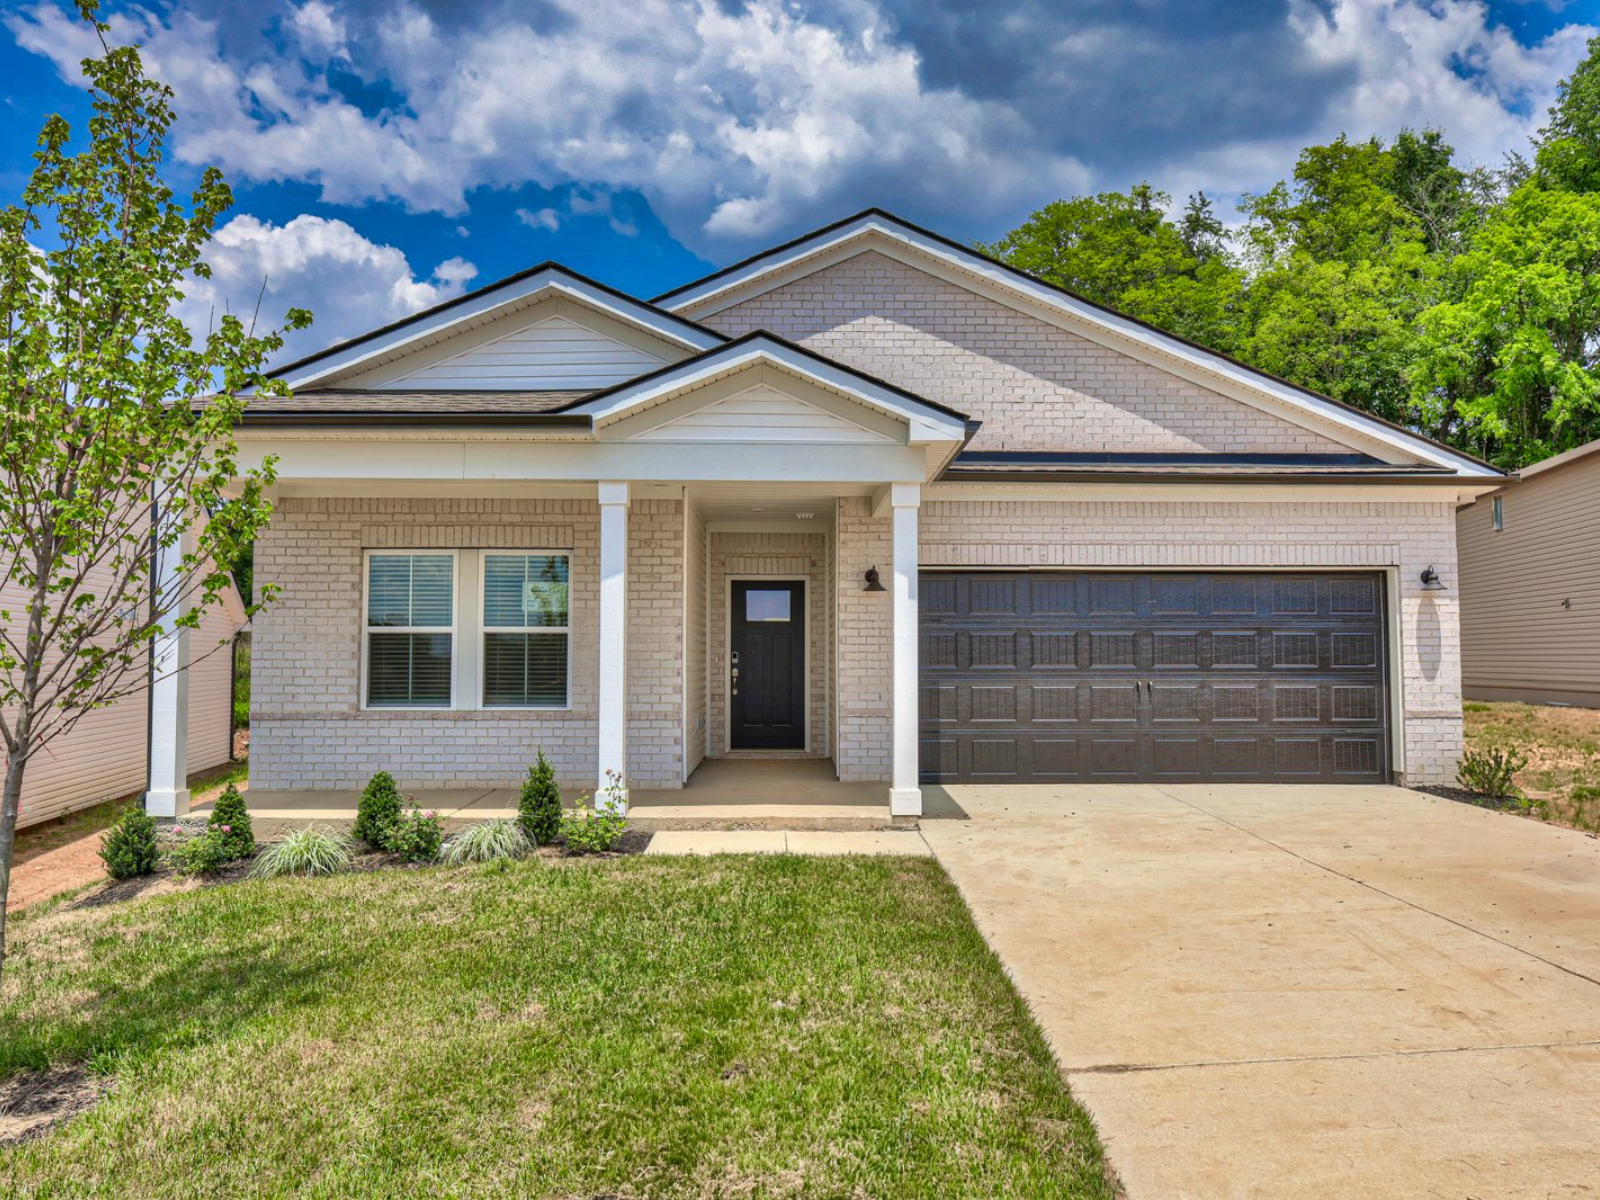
(33, 1104)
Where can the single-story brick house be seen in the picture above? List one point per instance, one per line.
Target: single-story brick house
(868, 497)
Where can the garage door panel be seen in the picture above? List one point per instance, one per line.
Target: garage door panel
(1178, 676)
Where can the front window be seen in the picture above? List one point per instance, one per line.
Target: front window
(410, 629)
(525, 633)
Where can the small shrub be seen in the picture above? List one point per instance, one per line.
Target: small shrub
(129, 848)
(486, 842)
(205, 854)
(539, 809)
(308, 851)
(417, 836)
(378, 812)
(588, 831)
(230, 820)
(1489, 772)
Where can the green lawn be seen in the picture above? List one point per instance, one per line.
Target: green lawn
(643, 1027)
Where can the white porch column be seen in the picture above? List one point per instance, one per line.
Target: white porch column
(613, 679)
(168, 792)
(905, 797)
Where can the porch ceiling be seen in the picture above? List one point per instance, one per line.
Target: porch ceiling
(780, 503)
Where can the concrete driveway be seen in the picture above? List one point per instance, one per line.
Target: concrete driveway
(1298, 991)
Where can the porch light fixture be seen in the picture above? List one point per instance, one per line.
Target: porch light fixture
(1431, 581)
(874, 584)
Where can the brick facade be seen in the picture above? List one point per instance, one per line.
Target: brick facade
(308, 729)
(1034, 386)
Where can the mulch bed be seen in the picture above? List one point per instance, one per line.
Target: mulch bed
(634, 841)
(1498, 803)
(36, 1102)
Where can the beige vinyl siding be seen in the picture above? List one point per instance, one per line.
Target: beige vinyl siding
(1517, 640)
(554, 353)
(107, 753)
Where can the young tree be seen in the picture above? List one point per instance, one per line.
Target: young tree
(106, 460)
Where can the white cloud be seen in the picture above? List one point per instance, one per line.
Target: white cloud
(1438, 65)
(728, 122)
(350, 284)
(319, 29)
(740, 126)
(544, 218)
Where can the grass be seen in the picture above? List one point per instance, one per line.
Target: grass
(660, 1027)
(1562, 746)
(52, 835)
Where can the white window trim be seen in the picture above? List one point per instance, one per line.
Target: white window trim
(483, 630)
(367, 628)
(1497, 514)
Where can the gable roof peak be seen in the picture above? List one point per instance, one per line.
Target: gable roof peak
(503, 295)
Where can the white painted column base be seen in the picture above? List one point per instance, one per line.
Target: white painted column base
(166, 802)
(905, 797)
(905, 802)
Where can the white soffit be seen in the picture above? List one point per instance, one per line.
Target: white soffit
(878, 231)
(481, 307)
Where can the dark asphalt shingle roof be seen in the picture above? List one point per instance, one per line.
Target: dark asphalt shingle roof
(361, 402)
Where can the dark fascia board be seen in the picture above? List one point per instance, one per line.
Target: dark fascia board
(1020, 458)
(465, 297)
(957, 475)
(347, 419)
(762, 335)
(1056, 287)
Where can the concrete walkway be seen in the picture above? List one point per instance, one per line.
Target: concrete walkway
(1281, 991)
(778, 841)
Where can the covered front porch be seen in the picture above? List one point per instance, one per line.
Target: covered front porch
(725, 793)
(629, 586)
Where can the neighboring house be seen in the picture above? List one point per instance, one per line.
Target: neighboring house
(1530, 585)
(637, 534)
(107, 753)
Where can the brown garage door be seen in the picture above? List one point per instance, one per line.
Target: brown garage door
(1091, 676)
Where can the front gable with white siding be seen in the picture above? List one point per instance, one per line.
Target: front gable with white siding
(1143, 561)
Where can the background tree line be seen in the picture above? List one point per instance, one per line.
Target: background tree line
(1458, 300)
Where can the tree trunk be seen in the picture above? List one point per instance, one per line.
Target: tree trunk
(10, 802)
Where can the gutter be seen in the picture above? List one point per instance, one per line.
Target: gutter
(367, 420)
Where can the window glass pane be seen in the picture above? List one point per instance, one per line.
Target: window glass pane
(766, 605)
(524, 670)
(408, 670)
(410, 589)
(526, 591)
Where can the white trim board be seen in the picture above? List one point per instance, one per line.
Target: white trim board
(877, 231)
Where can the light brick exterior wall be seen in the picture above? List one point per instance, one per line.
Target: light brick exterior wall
(865, 669)
(1033, 385)
(757, 555)
(1407, 536)
(307, 726)
(655, 644)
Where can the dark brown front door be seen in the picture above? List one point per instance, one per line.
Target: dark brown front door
(1154, 676)
(767, 666)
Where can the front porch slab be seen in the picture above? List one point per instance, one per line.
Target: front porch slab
(758, 793)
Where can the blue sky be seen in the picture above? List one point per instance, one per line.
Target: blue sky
(388, 154)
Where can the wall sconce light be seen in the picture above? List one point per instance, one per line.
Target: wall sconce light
(874, 584)
(1430, 581)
